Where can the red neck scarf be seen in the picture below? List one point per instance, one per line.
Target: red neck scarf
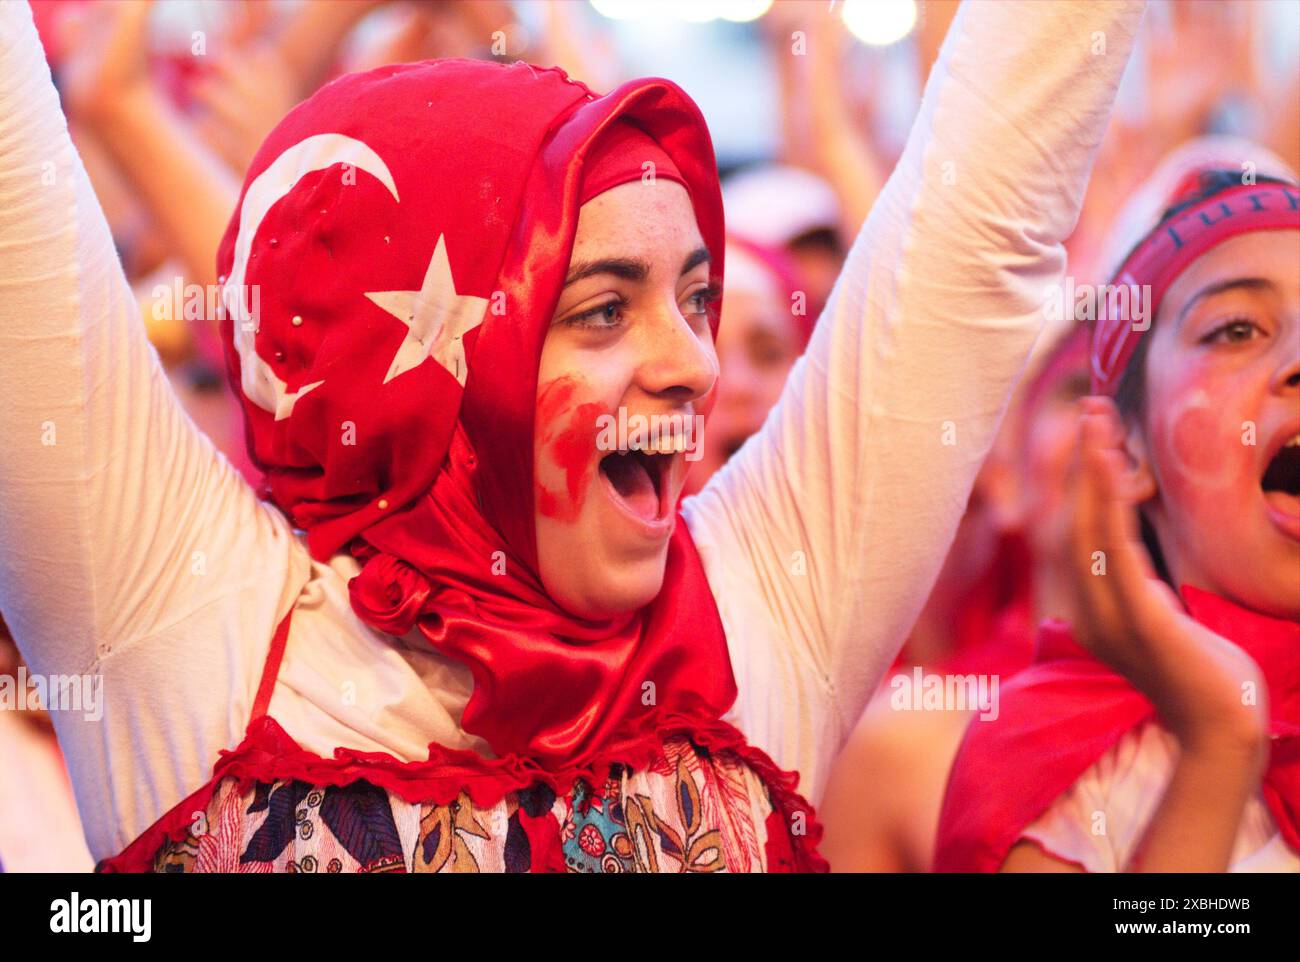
(547, 686)
(399, 250)
(1061, 714)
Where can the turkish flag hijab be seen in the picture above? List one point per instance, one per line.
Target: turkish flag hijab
(399, 249)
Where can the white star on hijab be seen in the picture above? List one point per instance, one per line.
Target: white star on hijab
(437, 319)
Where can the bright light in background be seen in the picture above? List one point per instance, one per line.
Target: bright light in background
(879, 22)
(741, 11)
(637, 9)
(696, 11)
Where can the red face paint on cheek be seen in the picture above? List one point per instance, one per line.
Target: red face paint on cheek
(567, 438)
(1199, 441)
(572, 450)
(1194, 444)
(553, 398)
(547, 503)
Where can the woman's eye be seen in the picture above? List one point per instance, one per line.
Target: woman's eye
(1235, 331)
(607, 315)
(701, 299)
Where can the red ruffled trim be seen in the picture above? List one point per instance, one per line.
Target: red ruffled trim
(268, 753)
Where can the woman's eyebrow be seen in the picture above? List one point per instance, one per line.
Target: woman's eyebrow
(696, 257)
(628, 268)
(1249, 283)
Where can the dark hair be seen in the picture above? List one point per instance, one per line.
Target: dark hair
(1130, 393)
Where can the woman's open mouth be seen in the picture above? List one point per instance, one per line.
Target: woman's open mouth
(640, 483)
(1281, 486)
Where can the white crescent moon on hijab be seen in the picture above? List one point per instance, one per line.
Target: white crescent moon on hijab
(258, 381)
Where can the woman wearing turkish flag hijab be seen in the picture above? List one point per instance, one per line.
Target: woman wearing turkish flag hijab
(462, 625)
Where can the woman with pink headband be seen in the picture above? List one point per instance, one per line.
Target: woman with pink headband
(1177, 747)
(462, 626)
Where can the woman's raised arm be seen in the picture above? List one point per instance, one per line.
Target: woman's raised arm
(119, 520)
(823, 535)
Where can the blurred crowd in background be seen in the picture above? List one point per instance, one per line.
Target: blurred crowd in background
(809, 103)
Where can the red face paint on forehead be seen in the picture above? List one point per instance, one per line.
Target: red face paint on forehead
(566, 437)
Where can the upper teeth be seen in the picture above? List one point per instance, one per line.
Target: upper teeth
(673, 445)
(1293, 443)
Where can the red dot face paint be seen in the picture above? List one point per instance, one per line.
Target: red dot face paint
(567, 431)
(1198, 446)
(1200, 432)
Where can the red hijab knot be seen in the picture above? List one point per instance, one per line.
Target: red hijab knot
(389, 594)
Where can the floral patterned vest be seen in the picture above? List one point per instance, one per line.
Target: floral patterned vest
(697, 800)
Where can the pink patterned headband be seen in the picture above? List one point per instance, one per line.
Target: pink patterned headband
(1143, 279)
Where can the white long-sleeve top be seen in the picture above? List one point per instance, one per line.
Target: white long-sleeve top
(131, 550)
(1101, 819)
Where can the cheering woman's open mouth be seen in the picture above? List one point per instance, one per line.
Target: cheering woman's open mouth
(644, 480)
(1281, 482)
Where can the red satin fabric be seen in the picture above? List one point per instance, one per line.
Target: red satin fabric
(624, 154)
(547, 686)
(1061, 714)
(429, 485)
